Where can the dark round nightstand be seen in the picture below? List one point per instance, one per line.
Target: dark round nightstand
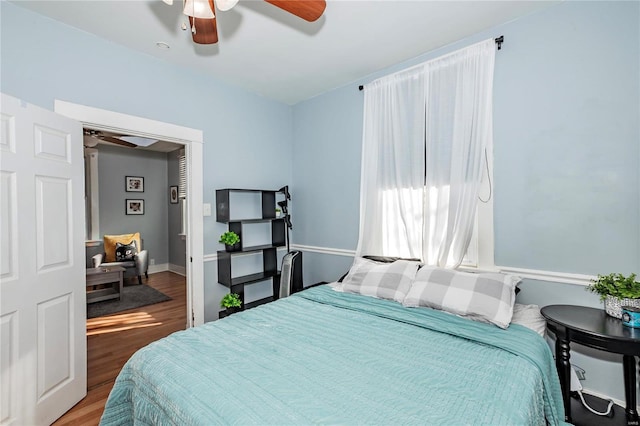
(593, 328)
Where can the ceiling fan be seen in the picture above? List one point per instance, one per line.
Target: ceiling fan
(202, 18)
(98, 136)
(94, 137)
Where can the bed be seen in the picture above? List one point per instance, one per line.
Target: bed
(323, 356)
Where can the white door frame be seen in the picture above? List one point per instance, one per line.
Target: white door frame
(192, 139)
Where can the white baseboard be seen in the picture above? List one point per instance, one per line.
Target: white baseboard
(160, 267)
(177, 269)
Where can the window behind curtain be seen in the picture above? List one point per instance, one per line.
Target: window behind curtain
(182, 190)
(424, 138)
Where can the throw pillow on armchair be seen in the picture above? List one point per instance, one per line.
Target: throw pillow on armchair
(126, 252)
(111, 240)
(129, 246)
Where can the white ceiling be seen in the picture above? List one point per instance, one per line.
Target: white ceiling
(270, 52)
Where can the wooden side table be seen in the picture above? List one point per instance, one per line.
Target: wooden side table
(97, 276)
(593, 328)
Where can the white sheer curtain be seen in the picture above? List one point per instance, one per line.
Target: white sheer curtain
(425, 130)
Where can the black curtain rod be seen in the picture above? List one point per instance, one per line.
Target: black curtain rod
(498, 40)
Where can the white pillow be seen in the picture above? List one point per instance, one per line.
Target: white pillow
(381, 280)
(487, 297)
(530, 317)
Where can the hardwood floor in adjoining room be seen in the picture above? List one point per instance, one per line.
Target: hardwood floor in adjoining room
(111, 340)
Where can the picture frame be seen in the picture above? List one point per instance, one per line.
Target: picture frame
(134, 206)
(173, 194)
(134, 183)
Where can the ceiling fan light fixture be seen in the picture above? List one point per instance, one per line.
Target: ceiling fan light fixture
(202, 9)
(139, 141)
(202, 18)
(225, 5)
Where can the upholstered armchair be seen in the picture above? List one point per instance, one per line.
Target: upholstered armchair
(126, 251)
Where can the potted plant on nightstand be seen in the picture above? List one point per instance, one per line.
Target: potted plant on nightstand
(231, 302)
(616, 291)
(231, 241)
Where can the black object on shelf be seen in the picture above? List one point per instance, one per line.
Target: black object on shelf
(285, 191)
(279, 238)
(284, 205)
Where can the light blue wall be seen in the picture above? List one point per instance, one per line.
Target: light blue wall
(568, 140)
(326, 168)
(247, 138)
(566, 158)
(114, 163)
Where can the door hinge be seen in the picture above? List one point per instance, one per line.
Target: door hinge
(190, 259)
(193, 318)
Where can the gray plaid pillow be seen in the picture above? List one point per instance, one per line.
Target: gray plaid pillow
(381, 280)
(487, 297)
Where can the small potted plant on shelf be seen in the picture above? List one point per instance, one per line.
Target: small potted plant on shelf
(616, 291)
(231, 302)
(278, 212)
(231, 241)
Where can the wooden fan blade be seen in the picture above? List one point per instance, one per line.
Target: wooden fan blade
(309, 10)
(206, 30)
(117, 141)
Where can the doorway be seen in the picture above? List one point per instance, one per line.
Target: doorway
(112, 162)
(192, 139)
(116, 329)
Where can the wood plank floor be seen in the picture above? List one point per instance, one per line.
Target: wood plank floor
(111, 340)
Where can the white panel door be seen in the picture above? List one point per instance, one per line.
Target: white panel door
(43, 352)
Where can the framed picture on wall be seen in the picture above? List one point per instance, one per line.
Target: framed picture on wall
(173, 194)
(134, 184)
(134, 206)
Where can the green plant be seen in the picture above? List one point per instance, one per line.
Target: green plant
(231, 300)
(616, 285)
(229, 238)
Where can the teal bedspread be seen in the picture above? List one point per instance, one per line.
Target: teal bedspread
(323, 357)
